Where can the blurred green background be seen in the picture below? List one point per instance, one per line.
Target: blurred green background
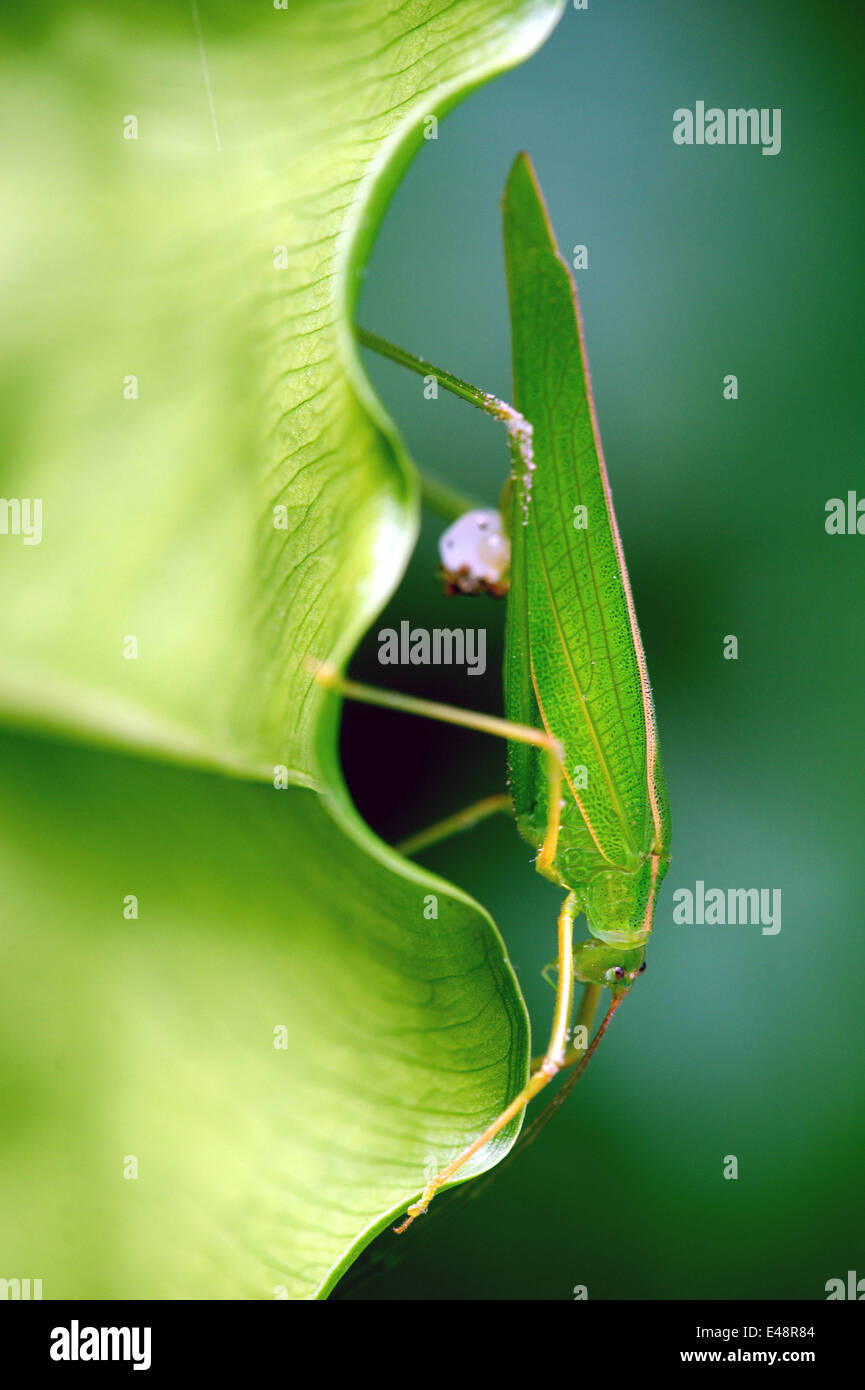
(702, 262)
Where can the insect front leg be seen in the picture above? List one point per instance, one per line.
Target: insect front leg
(585, 1014)
(551, 1064)
(599, 965)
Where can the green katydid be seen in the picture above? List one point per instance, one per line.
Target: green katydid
(586, 785)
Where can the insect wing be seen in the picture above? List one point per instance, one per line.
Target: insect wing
(574, 662)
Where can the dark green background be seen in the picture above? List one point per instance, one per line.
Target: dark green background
(702, 261)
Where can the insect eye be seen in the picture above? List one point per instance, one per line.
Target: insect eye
(642, 968)
(615, 972)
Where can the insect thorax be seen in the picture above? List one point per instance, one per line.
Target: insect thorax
(619, 904)
(618, 900)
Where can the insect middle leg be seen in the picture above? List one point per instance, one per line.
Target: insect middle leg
(466, 819)
(468, 719)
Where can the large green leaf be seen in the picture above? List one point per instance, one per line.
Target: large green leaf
(215, 258)
(259, 1167)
